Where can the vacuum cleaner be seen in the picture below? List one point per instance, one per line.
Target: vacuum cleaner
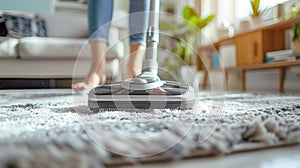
(145, 91)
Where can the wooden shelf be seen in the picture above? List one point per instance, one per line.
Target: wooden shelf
(251, 48)
(270, 65)
(271, 25)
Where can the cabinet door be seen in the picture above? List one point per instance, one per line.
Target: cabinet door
(249, 48)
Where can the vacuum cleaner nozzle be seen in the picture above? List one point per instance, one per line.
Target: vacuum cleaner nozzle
(113, 97)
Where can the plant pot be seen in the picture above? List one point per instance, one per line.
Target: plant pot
(257, 20)
(244, 25)
(296, 44)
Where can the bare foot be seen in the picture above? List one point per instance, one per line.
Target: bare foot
(134, 66)
(91, 81)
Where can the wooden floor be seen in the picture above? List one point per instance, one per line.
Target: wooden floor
(287, 157)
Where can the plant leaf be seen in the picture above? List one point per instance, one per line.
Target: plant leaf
(189, 12)
(255, 6)
(193, 21)
(296, 31)
(206, 20)
(195, 24)
(170, 26)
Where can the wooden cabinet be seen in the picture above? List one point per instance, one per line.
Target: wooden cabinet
(249, 48)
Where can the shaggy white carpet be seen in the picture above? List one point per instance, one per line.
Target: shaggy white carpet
(54, 128)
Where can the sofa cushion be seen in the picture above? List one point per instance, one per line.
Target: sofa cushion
(72, 26)
(19, 68)
(46, 47)
(8, 47)
(62, 48)
(66, 25)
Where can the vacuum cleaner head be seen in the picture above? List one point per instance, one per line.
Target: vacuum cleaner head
(113, 97)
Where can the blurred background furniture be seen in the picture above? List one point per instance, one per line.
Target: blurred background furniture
(251, 47)
(63, 54)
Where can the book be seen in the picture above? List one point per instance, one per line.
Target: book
(279, 53)
(281, 56)
(278, 59)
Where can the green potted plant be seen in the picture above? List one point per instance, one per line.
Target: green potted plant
(256, 11)
(294, 12)
(255, 8)
(296, 39)
(194, 23)
(185, 41)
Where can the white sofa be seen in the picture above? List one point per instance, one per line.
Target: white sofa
(64, 53)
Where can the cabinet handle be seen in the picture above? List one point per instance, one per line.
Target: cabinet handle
(255, 48)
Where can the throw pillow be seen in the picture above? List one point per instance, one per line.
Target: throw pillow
(41, 26)
(3, 30)
(23, 26)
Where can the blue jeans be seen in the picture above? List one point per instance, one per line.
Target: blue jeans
(100, 15)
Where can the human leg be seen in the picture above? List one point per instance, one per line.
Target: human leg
(96, 73)
(99, 16)
(138, 22)
(134, 66)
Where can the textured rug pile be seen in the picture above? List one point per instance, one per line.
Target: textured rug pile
(55, 128)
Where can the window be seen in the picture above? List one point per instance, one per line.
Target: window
(229, 12)
(243, 8)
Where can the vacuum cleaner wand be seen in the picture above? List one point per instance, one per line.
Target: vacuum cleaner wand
(150, 63)
(148, 79)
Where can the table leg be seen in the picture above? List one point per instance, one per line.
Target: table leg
(226, 79)
(205, 77)
(243, 79)
(282, 79)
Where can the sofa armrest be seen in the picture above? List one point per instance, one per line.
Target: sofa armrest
(8, 47)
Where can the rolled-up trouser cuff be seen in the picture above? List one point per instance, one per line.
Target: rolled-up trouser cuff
(99, 39)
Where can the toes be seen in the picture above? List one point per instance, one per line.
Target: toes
(78, 86)
(102, 80)
(92, 81)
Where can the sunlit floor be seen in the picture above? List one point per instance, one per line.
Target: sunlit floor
(281, 157)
